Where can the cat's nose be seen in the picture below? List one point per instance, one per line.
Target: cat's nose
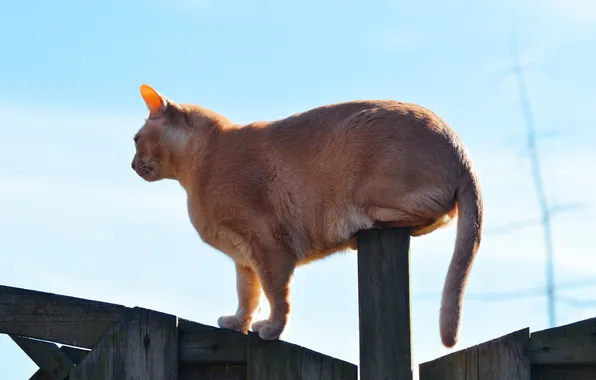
(133, 165)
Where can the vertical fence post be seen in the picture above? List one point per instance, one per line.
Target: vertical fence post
(143, 346)
(384, 304)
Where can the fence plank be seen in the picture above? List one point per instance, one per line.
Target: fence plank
(561, 372)
(62, 319)
(53, 363)
(206, 344)
(74, 354)
(282, 360)
(384, 304)
(213, 372)
(498, 359)
(574, 343)
(139, 348)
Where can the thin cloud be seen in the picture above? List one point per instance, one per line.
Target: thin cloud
(572, 13)
(574, 10)
(91, 199)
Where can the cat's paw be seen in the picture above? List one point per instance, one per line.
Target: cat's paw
(258, 324)
(267, 330)
(232, 322)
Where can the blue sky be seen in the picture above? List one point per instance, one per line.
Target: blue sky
(76, 220)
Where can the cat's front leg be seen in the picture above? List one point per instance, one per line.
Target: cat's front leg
(275, 272)
(249, 292)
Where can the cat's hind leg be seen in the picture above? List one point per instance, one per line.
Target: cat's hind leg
(248, 287)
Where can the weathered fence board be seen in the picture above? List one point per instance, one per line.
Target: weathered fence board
(562, 372)
(281, 360)
(384, 304)
(205, 344)
(144, 346)
(574, 343)
(53, 363)
(499, 359)
(68, 320)
(213, 372)
(74, 354)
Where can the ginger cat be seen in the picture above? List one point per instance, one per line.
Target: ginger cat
(276, 195)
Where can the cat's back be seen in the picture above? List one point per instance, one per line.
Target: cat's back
(350, 125)
(356, 116)
(330, 114)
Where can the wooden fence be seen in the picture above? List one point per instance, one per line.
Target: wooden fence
(109, 342)
(560, 353)
(103, 341)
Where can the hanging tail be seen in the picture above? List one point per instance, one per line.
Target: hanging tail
(469, 229)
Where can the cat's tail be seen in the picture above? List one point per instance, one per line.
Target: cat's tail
(469, 230)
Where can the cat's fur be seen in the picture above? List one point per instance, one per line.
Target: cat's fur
(276, 195)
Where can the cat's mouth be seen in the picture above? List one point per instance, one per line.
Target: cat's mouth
(146, 172)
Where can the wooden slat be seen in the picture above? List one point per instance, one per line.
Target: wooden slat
(53, 363)
(74, 354)
(560, 372)
(498, 359)
(68, 320)
(39, 376)
(574, 343)
(206, 344)
(282, 360)
(384, 304)
(213, 372)
(139, 348)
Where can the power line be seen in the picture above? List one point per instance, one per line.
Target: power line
(534, 221)
(576, 302)
(516, 294)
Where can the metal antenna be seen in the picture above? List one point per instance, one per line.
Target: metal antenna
(545, 210)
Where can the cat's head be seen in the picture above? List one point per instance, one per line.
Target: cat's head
(168, 124)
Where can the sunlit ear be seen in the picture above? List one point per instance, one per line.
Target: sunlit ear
(154, 100)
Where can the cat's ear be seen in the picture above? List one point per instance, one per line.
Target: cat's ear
(163, 108)
(156, 102)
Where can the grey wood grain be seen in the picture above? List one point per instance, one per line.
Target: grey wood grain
(574, 343)
(498, 359)
(74, 354)
(38, 375)
(141, 348)
(206, 344)
(53, 363)
(384, 304)
(282, 360)
(563, 372)
(213, 372)
(62, 319)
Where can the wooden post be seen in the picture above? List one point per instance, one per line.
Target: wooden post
(144, 346)
(384, 304)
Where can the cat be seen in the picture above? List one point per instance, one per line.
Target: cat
(279, 194)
